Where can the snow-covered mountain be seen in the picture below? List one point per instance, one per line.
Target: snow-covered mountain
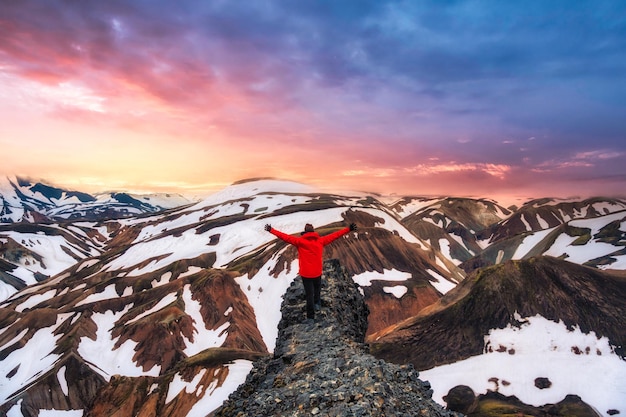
(24, 201)
(588, 232)
(176, 304)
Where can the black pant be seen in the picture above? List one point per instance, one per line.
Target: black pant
(312, 292)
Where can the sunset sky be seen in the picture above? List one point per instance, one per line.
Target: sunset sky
(472, 98)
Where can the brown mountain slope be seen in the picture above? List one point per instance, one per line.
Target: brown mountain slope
(453, 329)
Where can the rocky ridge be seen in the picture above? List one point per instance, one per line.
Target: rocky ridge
(323, 368)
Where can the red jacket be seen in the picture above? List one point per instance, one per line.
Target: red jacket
(310, 248)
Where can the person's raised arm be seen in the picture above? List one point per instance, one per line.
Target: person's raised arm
(336, 235)
(283, 236)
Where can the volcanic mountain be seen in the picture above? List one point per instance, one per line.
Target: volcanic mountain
(156, 298)
(519, 296)
(171, 305)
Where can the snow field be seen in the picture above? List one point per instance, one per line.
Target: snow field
(102, 355)
(38, 350)
(203, 338)
(51, 248)
(539, 349)
(264, 293)
(592, 249)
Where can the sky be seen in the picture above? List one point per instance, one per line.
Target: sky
(466, 98)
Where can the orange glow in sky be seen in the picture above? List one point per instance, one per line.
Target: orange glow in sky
(191, 96)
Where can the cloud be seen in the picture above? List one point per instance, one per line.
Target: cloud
(493, 170)
(26, 93)
(598, 155)
(390, 84)
(584, 159)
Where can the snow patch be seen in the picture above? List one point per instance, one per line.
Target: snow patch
(529, 242)
(63, 381)
(60, 413)
(108, 293)
(526, 224)
(365, 279)
(574, 362)
(398, 290)
(102, 354)
(215, 396)
(542, 223)
(203, 338)
(35, 299)
(441, 284)
(262, 292)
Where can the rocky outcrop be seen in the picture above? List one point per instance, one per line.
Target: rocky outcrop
(463, 399)
(323, 368)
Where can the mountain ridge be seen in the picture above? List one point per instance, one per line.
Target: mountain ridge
(207, 280)
(324, 368)
(21, 199)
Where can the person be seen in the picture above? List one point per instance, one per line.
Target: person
(310, 251)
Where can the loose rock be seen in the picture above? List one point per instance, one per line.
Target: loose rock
(323, 368)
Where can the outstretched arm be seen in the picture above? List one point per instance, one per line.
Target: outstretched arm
(283, 236)
(336, 235)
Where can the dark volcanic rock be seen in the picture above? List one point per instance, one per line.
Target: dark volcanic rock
(323, 368)
(461, 398)
(543, 383)
(495, 404)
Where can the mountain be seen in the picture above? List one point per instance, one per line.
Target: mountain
(152, 299)
(519, 321)
(453, 226)
(169, 307)
(24, 201)
(586, 232)
(45, 230)
(323, 368)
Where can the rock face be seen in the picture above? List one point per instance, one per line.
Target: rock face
(323, 367)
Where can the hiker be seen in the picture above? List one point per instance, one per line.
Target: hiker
(310, 249)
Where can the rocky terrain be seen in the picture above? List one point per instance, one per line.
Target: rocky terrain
(512, 296)
(123, 307)
(323, 368)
